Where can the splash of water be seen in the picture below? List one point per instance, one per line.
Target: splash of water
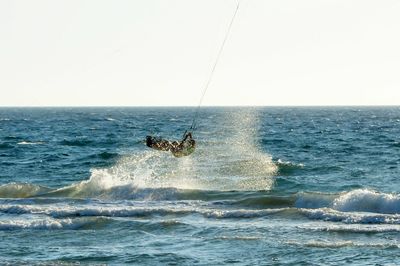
(231, 160)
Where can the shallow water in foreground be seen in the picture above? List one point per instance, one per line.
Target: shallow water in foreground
(311, 186)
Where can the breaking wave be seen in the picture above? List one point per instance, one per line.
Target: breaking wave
(356, 206)
(365, 200)
(358, 200)
(53, 224)
(177, 209)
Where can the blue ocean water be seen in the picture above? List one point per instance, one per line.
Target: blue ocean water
(285, 186)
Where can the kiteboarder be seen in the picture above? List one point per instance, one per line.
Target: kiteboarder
(188, 145)
(181, 148)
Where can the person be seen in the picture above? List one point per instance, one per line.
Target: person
(185, 147)
(157, 143)
(181, 148)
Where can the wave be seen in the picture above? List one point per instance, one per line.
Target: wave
(331, 207)
(6, 146)
(375, 208)
(103, 156)
(270, 201)
(354, 228)
(327, 214)
(365, 200)
(66, 211)
(63, 211)
(287, 168)
(76, 142)
(12, 138)
(175, 209)
(53, 224)
(29, 143)
(107, 155)
(21, 190)
(358, 200)
(343, 244)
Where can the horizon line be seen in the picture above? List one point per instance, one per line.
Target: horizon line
(190, 106)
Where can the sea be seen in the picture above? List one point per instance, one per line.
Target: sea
(265, 186)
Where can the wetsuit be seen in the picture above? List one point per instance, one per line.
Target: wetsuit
(178, 148)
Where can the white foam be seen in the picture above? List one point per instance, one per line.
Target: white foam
(328, 214)
(364, 200)
(232, 162)
(47, 223)
(342, 244)
(329, 244)
(289, 164)
(353, 228)
(238, 237)
(29, 143)
(204, 170)
(106, 185)
(220, 214)
(359, 200)
(63, 211)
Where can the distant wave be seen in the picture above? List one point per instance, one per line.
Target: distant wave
(29, 143)
(343, 244)
(12, 138)
(76, 142)
(6, 146)
(104, 155)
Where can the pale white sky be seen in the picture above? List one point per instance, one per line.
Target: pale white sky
(160, 52)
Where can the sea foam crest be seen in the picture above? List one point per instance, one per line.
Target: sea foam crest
(359, 200)
(65, 211)
(327, 214)
(353, 228)
(364, 200)
(342, 244)
(42, 224)
(105, 185)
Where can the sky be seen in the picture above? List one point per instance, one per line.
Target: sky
(161, 52)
